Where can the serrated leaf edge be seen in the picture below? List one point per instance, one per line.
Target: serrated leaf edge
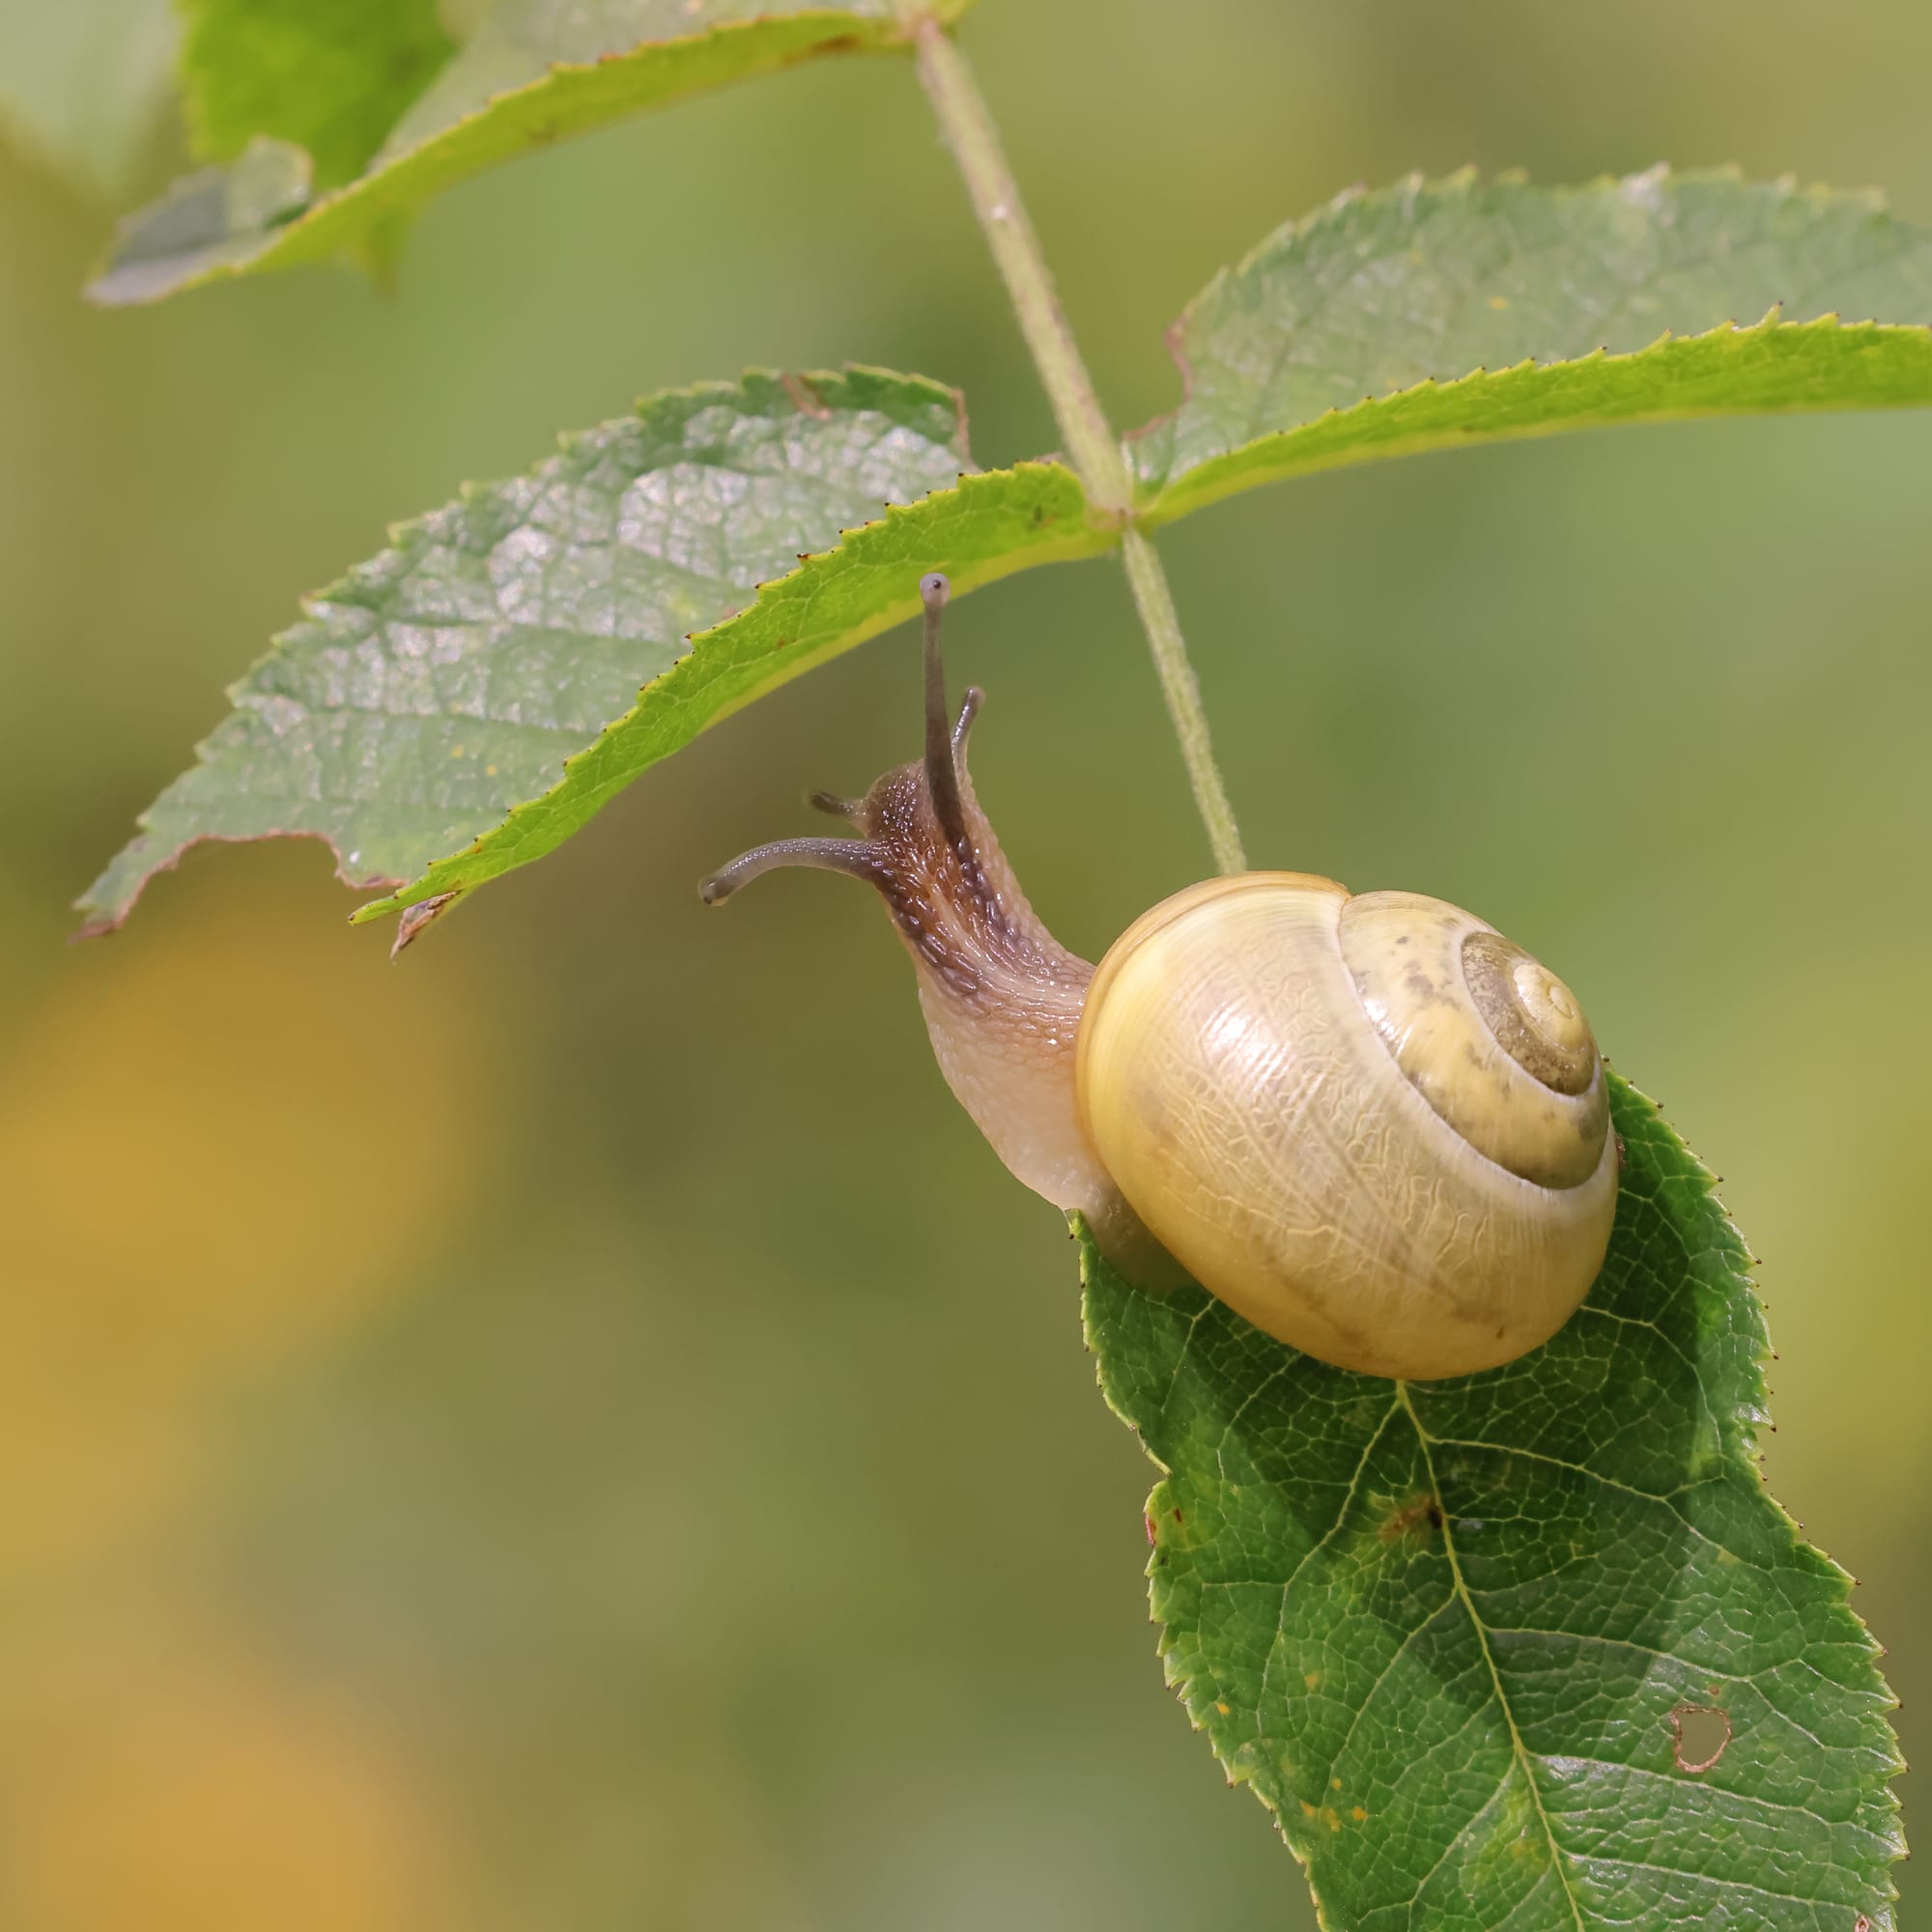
(1462, 183)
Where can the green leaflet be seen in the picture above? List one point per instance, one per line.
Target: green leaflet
(330, 76)
(435, 768)
(1449, 1632)
(535, 73)
(456, 696)
(1353, 335)
(83, 83)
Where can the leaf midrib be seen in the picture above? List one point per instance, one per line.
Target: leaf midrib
(1521, 1751)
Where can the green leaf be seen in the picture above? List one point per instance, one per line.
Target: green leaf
(331, 77)
(446, 712)
(1377, 285)
(83, 83)
(1353, 335)
(534, 74)
(1465, 1639)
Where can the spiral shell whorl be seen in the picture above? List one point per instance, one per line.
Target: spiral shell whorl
(1487, 1034)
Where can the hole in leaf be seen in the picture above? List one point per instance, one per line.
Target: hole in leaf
(1700, 1737)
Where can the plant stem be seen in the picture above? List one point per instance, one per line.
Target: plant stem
(1094, 450)
(968, 127)
(1183, 692)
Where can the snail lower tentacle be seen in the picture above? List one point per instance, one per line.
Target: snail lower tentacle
(825, 855)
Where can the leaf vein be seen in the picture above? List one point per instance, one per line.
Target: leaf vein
(1517, 1744)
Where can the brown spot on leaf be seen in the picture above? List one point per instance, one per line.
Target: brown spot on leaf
(1699, 1736)
(1421, 1514)
(809, 401)
(417, 919)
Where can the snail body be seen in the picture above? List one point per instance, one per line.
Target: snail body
(1369, 1124)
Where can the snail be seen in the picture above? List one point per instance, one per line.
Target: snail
(1369, 1124)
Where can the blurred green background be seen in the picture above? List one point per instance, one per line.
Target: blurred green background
(575, 1430)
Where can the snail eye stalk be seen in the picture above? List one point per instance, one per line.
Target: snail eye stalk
(942, 775)
(874, 858)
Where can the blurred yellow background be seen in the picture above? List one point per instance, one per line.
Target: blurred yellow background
(574, 1430)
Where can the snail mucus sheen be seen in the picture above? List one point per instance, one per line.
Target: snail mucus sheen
(1368, 1123)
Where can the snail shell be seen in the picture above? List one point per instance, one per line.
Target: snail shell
(1370, 1124)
